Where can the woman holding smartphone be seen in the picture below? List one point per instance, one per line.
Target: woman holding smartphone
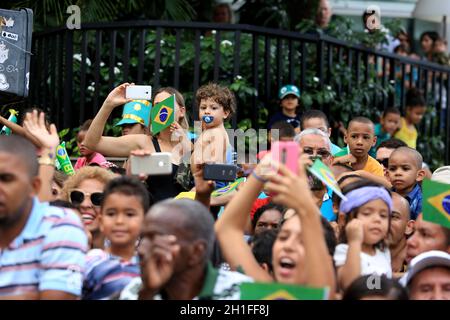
(172, 139)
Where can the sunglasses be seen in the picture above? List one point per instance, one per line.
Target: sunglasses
(321, 152)
(77, 197)
(384, 162)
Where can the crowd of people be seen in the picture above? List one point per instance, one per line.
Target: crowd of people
(103, 233)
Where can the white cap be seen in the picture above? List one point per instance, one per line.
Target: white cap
(424, 260)
(442, 174)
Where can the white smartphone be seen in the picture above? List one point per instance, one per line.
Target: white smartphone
(138, 92)
(158, 163)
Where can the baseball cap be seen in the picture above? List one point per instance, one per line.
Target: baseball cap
(136, 111)
(289, 89)
(433, 258)
(442, 174)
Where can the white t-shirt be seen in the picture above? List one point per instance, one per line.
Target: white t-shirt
(379, 264)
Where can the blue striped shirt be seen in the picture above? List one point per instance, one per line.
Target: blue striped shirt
(107, 274)
(49, 253)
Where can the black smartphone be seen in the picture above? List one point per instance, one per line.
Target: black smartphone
(220, 172)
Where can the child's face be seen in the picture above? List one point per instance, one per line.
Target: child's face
(375, 217)
(403, 172)
(121, 219)
(83, 150)
(316, 123)
(390, 123)
(415, 114)
(289, 103)
(440, 46)
(360, 138)
(208, 107)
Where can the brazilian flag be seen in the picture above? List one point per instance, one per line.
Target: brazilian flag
(436, 202)
(227, 189)
(163, 114)
(277, 291)
(344, 151)
(324, 174)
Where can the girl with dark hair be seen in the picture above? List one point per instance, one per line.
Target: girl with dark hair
(427, 40)
(362, 248)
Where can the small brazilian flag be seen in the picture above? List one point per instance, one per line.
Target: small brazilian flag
(227, 189)
(163, 114)
(324, 174)
(277, 291)
(436, 202)
(344, 151)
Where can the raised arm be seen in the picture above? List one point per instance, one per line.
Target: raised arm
(35, 125)
(231, 225)
(112, 146)
(293, 192)
(352, 267)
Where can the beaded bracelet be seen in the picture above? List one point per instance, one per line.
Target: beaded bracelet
(258, 177)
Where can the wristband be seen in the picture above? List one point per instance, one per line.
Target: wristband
(46, 161)
(258, 177)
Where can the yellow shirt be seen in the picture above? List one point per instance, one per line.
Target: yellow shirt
(374, 167)
(407, 135)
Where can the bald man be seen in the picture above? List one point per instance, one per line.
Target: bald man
(401, 228)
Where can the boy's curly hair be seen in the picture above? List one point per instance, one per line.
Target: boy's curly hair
(219, 94)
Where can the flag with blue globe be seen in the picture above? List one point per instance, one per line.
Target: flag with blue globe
(163, 114)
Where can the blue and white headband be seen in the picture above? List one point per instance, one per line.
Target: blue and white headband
(357, 198)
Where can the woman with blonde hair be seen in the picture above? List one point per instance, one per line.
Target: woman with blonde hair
(85, 190)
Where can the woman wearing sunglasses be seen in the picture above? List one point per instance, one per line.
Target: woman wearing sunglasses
(85, 190)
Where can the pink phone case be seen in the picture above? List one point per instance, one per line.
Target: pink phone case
(286, 152)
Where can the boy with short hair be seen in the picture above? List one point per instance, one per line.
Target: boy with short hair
(388, 126)
(360, 138)
(289, 96)
(318, 120)
(125, 202)
(415, 109)
(405, 173)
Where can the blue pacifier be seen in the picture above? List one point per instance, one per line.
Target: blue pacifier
(207, 119)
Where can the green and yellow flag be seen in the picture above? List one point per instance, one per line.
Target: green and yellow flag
(277, 291)
(227, 189)
(324, 174)
(436, 202)
(344, 151)
(163, 114)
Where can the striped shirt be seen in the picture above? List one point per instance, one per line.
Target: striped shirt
(49, 253)
(107, 274)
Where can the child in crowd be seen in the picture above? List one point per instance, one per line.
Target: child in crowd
(415, 109)
(405, 173)
(363, 250)
(289, 96)
(360, 138)
(389, 124)
(88, 157)
(216, 104)
(318, 120)
(122, 213)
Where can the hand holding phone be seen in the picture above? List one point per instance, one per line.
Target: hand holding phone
(287, 153)
(138, 92)
(220, 172)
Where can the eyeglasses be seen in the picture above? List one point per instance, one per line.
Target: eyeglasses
(321, 152)
(384, 162)
(77, 197)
